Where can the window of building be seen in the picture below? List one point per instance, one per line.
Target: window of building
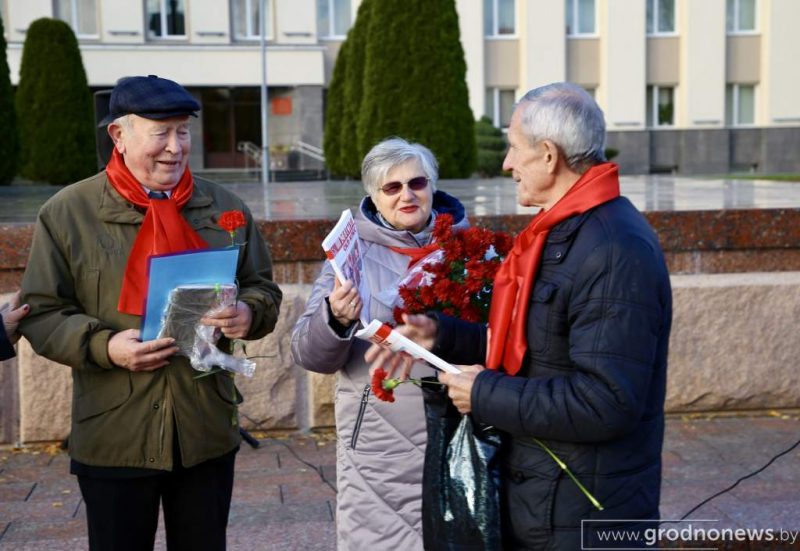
(660, 16)
(499, 17)
(581, 17)
(660, 106)
(80, 14)
(499, 106)
(741, 16)
(166, 18)
(246, 17)
(333, 18)
(740, 104)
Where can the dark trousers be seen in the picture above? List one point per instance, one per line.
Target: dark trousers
(122, 513)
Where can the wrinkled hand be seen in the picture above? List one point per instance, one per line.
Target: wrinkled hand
(419, 328)
(345, 302)
(234, 321)
(11, 314)
(459, 386)
(125, 350)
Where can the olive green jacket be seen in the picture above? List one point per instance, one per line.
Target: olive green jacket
(72, 282)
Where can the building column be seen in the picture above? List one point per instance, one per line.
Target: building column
(470, 22)
(701, 94)
(623, 54)
(541, 27)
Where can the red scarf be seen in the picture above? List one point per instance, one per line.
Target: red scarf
(508, 313)
(415, 254)
(163, 230)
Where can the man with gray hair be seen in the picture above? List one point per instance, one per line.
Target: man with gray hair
(146, 432)
(575, 353)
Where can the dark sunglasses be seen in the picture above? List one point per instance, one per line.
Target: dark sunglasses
(414, 184)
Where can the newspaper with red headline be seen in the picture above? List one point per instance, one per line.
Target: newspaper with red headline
(343, 251)
(382, 334)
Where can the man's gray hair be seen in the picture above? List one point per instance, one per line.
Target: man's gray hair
(393, 152)
(124, 121)
(566, 114)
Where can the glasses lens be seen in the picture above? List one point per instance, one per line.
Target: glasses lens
(418, 183)
(392, 188)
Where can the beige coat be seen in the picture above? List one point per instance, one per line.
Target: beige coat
(72, 282)
(379, 503)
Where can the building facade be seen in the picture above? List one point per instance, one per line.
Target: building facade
(686, 85)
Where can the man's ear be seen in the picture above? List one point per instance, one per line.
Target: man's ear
(117, 133)
(552, 155)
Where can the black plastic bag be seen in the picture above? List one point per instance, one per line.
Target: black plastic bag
(461, 479)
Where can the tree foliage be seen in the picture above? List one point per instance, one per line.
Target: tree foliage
(405, 75)
(54, 106)
(491, 148)
(8, 121)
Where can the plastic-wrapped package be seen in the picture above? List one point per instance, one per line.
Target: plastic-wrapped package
(186, 306)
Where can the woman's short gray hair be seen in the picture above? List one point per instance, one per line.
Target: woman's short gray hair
(566, 114)
(393, 152)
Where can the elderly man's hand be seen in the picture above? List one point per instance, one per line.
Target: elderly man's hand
(459, 386)
(11, 313)
(419, 328)
(234, 321)
(125, 350)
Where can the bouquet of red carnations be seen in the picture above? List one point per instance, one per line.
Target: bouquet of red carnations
(457, 278)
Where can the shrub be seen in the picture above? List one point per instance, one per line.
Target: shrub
(8, 121)
(54, 106)
(491, 145)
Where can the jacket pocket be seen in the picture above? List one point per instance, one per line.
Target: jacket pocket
(541, 305)
(102, 399)
(227, 390)
(88, 291)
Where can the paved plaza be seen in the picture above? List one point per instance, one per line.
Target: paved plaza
(284, 496)
(326, 200)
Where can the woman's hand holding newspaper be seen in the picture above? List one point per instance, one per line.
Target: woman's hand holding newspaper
(345, 302)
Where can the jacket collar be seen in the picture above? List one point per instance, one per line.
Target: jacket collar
(113, 208)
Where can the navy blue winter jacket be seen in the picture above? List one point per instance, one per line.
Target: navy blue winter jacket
(592, 383)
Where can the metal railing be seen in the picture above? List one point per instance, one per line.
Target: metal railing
(252, 152)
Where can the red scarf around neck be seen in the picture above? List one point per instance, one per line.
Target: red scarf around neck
(508, 313)
(415, 254)
(163, 230)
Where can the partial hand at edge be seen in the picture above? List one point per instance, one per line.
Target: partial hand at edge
(12, 313)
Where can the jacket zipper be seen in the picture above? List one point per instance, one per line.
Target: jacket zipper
(361, 409)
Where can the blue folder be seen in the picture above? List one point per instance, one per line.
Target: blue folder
(167, 271)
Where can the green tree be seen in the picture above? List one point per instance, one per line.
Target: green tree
(404, 75)
(54, 106)
(8, 121)
(354, 90)
(334, 114)
(491, 148)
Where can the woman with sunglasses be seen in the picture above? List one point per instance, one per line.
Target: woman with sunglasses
(379, 465)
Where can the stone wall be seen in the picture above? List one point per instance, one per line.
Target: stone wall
(733, 347)
(707, 151)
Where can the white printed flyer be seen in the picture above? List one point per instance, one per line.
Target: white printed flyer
(342, 249)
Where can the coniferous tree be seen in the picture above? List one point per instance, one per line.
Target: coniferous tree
(354, 89)
(54, 106)
(8, 121)
(415, 82)
(334, 114)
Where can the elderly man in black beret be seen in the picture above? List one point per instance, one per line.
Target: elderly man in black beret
(145, 431)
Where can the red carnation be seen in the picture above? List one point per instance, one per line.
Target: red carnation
(460, 282)
(383, 389)
(230, 221)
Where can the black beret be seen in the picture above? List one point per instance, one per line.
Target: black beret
(150, 97)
